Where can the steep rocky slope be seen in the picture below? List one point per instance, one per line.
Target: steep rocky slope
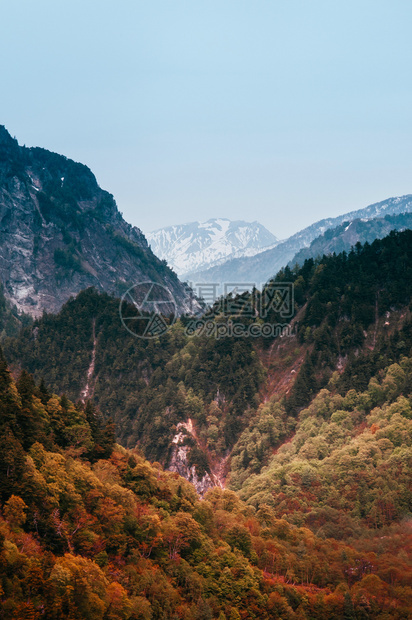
(61, 233)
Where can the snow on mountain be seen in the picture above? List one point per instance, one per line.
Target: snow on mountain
(347, 235)
(200, 245)
(260, 267)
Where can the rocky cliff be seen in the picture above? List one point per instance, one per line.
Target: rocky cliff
(180, 461)
(61, 233)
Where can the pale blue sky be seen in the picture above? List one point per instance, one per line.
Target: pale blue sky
(284, 112)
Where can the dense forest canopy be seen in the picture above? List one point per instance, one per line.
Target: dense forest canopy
(311, 434)
(90, 530)
(150, 386)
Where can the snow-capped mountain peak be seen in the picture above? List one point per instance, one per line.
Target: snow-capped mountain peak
(261, 266)
(200, 245)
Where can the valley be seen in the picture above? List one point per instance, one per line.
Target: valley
(188, 473)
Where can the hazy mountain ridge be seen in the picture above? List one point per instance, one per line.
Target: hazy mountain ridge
(61, 233)
(261, 267)
(348, 234)
(200, 245)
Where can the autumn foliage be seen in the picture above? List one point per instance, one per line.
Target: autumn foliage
(119, 538)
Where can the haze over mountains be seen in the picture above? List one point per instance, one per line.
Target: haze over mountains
(281, 461)
(200, 245)
(347, 235)
(259, 268)
(61, 233)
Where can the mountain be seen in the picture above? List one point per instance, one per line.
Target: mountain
(11, 320)
(260, 268)
(190, 398)
(92, 531)
(200, 245)
(348, 234)
(309, 429)
(149, 387)
(61, 233)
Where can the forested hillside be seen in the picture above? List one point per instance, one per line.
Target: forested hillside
(149, 386)
(311, 432)
(92, 531)
(241, 396)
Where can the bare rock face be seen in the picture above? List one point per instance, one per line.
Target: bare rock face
(179, 461)
(61, 233)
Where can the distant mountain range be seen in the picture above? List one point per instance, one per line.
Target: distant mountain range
(61, 233)
(259, 268)
(198, 246)
(344, 237)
